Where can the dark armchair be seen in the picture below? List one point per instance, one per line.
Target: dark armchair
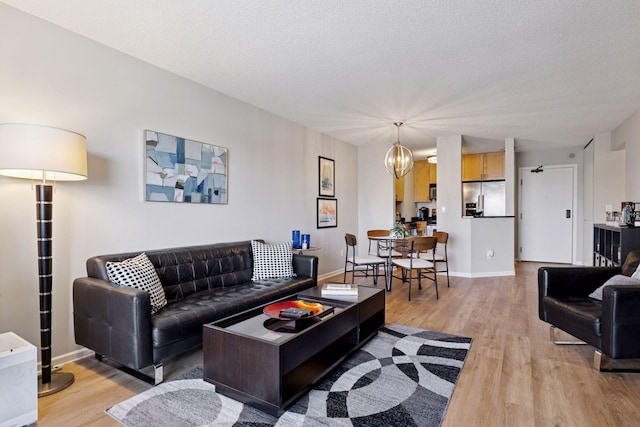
(612, 325)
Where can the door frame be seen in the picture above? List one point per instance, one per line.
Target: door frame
(574, 207)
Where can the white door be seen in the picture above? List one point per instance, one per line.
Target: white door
(546, 217)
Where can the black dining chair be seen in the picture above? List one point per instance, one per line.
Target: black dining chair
(415, 260)
(360, 264)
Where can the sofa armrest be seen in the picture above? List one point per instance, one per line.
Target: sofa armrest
(113, 321)
(621, 321)
(306, 266)
(570, 282)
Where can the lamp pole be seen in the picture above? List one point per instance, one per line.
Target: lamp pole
(48, 383)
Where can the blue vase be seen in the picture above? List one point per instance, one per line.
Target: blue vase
(295, 239)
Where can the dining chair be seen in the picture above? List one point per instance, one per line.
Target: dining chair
(381, 246)
(415, 260)
(357, 262)
(440, 254)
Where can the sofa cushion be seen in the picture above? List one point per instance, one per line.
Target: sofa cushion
(138, 272)
(618, 279)
(271, 261)
(631, 263)
(185, 318)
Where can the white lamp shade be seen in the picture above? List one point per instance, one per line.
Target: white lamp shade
(42, 153)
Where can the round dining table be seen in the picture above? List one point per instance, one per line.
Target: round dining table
(390, 240)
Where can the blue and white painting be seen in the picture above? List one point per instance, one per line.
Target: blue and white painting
(184, 171)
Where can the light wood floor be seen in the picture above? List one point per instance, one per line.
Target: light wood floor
(513, 375)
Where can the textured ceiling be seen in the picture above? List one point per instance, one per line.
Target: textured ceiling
(548, 73)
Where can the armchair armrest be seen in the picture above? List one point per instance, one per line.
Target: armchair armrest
(621, 321)
(570, 282)
(113, 321)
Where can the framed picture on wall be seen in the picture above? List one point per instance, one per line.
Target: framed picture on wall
(184, 171)
(326, 177)
(327, 213)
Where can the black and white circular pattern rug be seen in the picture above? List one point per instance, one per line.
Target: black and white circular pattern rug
(403, 377)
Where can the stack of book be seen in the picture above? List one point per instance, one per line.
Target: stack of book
(339, 289)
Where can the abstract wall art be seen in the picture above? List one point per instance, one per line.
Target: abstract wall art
(185, 171)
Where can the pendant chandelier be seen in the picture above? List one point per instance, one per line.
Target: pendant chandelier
(399, 159)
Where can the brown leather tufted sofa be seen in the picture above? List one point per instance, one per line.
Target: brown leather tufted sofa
(202, 284)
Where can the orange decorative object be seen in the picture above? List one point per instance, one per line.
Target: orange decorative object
(273, 310)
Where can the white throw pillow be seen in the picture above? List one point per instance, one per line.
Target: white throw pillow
(271, 261)
(139, 273)
(636, 274)
(618, 279)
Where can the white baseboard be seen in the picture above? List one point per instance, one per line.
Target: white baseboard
(483, 274)
(58, 361)
(331, 274)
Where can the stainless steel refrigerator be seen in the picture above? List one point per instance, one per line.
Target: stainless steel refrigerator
(489, 197)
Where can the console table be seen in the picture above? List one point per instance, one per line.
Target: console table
(252, 359)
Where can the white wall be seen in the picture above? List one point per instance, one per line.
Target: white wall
(608, 177)
(587, 202)
(375, 194)
(449, 202)
(53, 77)
(627, 135)
(604, 178)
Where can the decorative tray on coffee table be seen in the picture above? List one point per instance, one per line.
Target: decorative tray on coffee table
(295, 310)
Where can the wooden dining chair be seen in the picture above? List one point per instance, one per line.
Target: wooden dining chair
(357, 262)
(415, 260)
(381, 247)
(440, 254)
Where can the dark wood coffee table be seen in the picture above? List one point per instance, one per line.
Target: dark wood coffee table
(269, 364)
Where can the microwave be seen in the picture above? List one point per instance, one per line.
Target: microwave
(433, 191)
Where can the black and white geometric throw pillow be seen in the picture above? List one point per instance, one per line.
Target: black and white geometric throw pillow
(271, 261)
(139, 273)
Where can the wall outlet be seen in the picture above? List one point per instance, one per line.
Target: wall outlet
(341, 252)
(490, 254)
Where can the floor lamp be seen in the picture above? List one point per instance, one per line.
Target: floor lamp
(46, 155)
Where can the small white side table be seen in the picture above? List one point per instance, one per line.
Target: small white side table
(18, 381)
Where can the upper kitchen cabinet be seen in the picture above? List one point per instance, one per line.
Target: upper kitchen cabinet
(424, 175)
(399, 189)
(421, 179)
(483, 166)
(433, 173)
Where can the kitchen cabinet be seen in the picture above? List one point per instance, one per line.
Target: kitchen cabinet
(399, 189)
(483, 166)
(424, 174)
(421, 180)
(433, 173)
(612, 244)
(494, 165)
